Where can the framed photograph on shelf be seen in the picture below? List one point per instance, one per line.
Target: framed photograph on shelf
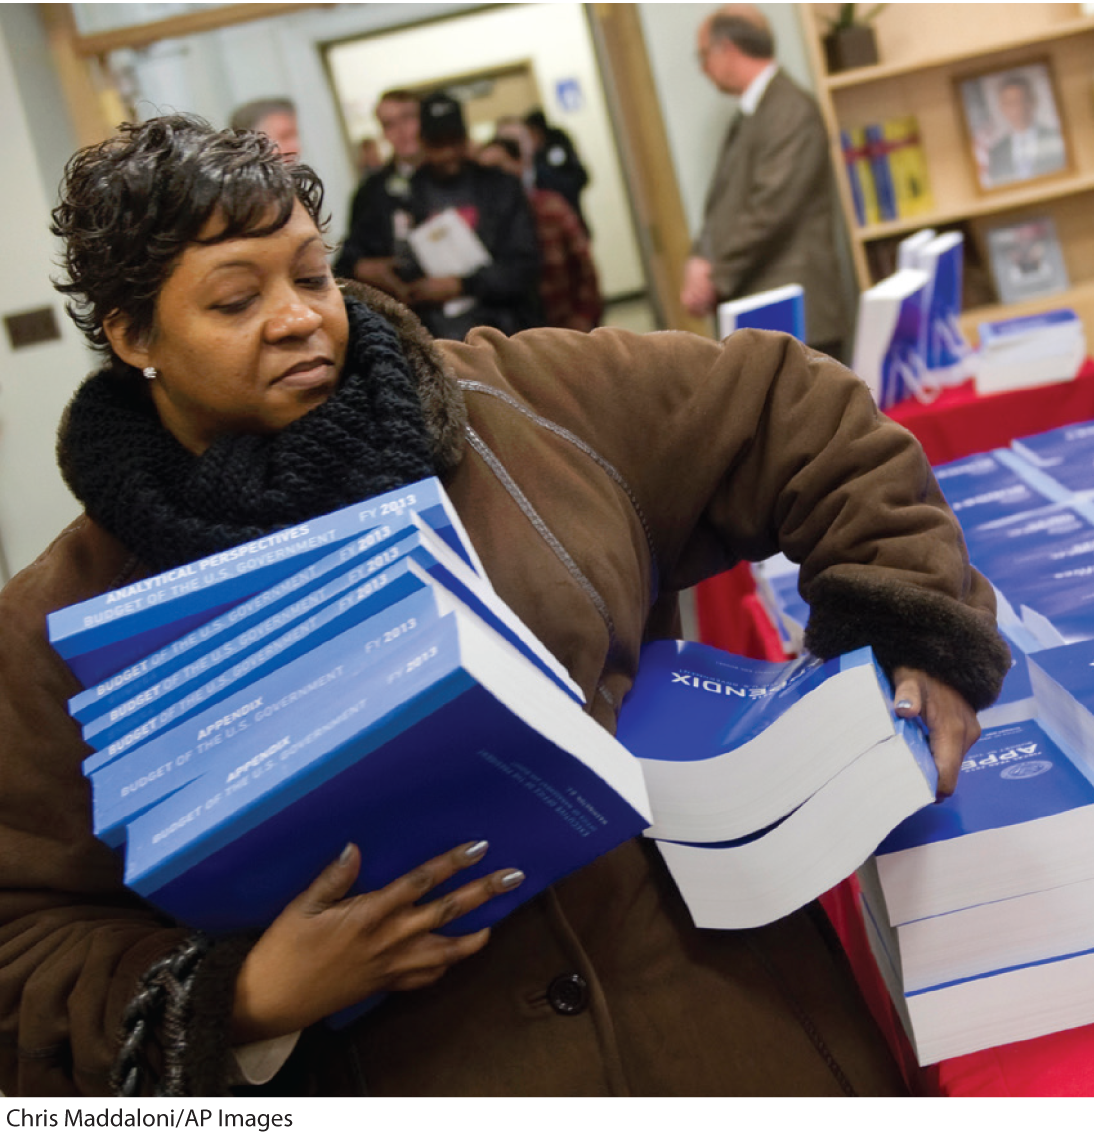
(1026, 259)
(1014, 125)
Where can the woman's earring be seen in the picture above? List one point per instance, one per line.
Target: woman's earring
(149, 373)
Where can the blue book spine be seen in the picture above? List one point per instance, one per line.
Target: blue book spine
(425, 759)
(182, 664)
(881, 171)
(1013, 774)
(903, 366)
(944, 258)
(849, 155)
(125, 787)
(288, 631)
(108, 633)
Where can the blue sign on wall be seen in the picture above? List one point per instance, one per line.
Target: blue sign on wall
(569, 95)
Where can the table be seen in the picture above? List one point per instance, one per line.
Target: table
(729, 615)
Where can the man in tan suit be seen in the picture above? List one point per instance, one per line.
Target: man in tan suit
(769, 215)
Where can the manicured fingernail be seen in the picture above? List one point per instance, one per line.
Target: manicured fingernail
(904, 704)
(345, 855)
(512, 879)
(475, 851)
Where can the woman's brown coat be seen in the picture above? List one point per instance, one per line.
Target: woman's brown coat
(597, 475)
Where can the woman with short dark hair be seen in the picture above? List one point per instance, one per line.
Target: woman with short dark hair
(597, 475)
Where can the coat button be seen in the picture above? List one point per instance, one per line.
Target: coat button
(568, 994)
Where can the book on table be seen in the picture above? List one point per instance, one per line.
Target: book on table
(1029, 351)
(1064, 454)
(987, 1010)
(979, 909)
(758, 773)
(1021, 820)
(1062, 687)
(889, 346)
(948, 353)
(102, 636)
(777, 309)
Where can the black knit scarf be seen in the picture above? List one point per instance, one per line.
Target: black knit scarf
(171, 507)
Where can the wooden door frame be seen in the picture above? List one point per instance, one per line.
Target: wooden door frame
(637, 119)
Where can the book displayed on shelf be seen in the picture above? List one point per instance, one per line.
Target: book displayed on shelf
(1027, 260)
(1029, 351)
(1062, 688)
(460, 738)
(757, 773)
(778, 309)
(881, 171)
(887, 170)
(1020, 820)
(889, 348)
(862, 183)
(104, 635)
(909, 172)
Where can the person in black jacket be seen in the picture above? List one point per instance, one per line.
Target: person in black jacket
(556, 162)
(502, 293)
(367, 251)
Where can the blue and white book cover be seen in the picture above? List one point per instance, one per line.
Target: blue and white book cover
(908, 252)
(454, 744)
(889, 352)
(1060, 322)
(986, 487)
(249, 635)
(1015, 702)
(255, 715)
(1071, 668)
(881, 171)
(1064, 454)
(322, 613)
(1014, 774)
(106, 634)
(947, 350)
(779, 309)
(730, 745)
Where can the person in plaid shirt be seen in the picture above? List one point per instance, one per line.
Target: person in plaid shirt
(570, 292)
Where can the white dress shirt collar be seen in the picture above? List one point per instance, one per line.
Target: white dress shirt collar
(752, 96)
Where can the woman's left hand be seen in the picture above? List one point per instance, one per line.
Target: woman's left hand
(952, 724)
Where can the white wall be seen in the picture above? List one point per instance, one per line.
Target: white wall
(35, 382)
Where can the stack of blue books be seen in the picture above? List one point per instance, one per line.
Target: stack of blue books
(355, 678)
(1029, 351)
(979, 909)
(769, 782)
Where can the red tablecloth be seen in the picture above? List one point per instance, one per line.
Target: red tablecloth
(729, 615)
(960, 422)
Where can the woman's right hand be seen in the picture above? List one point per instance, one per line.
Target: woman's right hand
(326, 952)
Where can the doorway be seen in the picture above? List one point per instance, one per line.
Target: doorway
(518, 57)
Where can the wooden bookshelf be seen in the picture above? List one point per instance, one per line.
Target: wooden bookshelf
(924, 51)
